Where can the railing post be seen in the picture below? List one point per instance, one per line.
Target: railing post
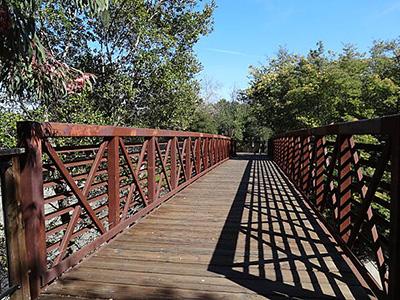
(198, 156)
(219, 150)
(14, 228)
(151, 169)
(232, 144)
(345, 180)
(211, 150)
(173, 175)
(113, 182)
(306, 166)
(206, 153)
(188, 164)
(394, 251)
(225, 147)
(216, 150)
(30, 191)
(320, 171)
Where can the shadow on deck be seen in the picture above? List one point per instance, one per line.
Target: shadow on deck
(240, 232)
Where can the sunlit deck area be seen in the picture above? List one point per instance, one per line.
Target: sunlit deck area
(242, 231)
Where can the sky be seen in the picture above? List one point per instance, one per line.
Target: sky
(247, 32)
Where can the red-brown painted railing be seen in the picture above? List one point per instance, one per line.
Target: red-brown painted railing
(80, 185)
(351, 174)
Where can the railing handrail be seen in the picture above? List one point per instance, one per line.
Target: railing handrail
(54, 129)
(364, 126)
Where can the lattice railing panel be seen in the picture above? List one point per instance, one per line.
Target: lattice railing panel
(94, 181)
(348, 175)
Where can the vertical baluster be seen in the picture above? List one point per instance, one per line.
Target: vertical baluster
(345, 180)
(113, 182)
(291, 150)
(217, 150)
(198, 156)
(320, 171)
(221, 152)
(173, 174)
(307, 165)
(151, 169)
(188, 161)
(206, 161)
(212, 151)
(225, 148)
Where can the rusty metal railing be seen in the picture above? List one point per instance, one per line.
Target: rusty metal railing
(77, 186)
(351, 174)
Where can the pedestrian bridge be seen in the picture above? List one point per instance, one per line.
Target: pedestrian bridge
(150, 214)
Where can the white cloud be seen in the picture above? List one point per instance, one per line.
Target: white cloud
(231, 52)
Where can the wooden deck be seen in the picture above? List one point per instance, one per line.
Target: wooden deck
(240, 232)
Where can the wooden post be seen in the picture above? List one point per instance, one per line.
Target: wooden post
(30, 191)
(206, 161)
(219, 150)
(198, 156)
(14, 228)
(188, 163)
(174, 145)
(211, 151)
(151, 169)
(394, 241)
(113, 182)
(345, 180)
(320, 171)
(216, 150)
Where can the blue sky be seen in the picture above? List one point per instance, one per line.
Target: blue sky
(246, 32)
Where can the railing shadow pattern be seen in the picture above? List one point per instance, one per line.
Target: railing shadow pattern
(287, 251)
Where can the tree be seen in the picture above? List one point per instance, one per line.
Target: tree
(119, 62)
(144, 61)
(294, 91)
(203, 119)
(31, 74)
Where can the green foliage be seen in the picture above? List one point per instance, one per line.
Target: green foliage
(30, 73)
(230, 118)
(293, 91)
(144, 61)
(106, 62)
(203, 119)
(8, 121)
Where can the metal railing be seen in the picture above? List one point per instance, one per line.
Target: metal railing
(351, 174)
(77, 186)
